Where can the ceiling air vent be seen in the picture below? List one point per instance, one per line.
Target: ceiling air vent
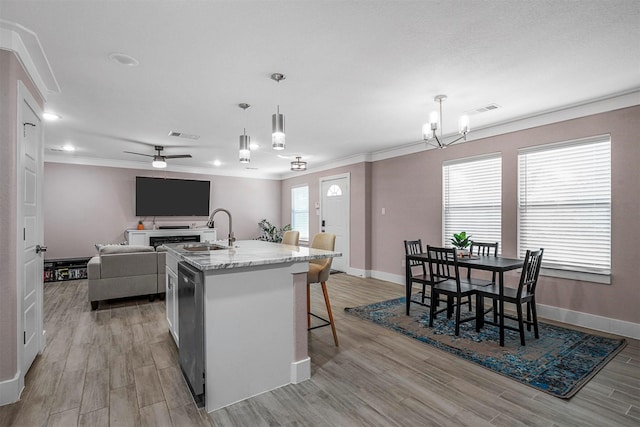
(486, 108)
(183, 135)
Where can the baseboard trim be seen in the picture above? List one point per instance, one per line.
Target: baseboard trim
(300, 370)
(563, 315)
(388, 277)
(358, 272)
(590, 321)
(10, 389)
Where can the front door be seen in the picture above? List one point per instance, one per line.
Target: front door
(335, 216)
(31, 231)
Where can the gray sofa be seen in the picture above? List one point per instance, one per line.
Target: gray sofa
(123, 271)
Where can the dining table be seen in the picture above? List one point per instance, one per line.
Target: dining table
(495, 264)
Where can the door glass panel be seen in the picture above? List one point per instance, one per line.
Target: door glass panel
(334, 190)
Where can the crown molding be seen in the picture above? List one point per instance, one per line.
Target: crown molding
(26, 46)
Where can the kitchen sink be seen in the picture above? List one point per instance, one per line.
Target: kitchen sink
(200, 247)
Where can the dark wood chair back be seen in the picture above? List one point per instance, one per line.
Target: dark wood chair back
(412, 247)
(482, 248)
(443, 265)
(530, 272)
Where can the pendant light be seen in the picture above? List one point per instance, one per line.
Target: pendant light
(277, 121)
(244, 150)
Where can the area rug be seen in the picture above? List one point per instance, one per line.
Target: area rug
(560, 362)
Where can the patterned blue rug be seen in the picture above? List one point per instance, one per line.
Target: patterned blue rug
(560, 362)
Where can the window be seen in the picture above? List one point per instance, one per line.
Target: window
(472, 199)
(565, 204)
(334, 190)
(300, 211)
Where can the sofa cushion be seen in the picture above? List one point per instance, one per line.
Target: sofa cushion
(128, 264)
(124, 249)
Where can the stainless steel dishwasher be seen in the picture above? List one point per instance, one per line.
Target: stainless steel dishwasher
(191, 331)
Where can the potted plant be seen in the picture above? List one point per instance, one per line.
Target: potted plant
(140, 225)
(271, 233)
(461, 241)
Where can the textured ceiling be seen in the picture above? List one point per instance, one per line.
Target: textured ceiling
(361, 75)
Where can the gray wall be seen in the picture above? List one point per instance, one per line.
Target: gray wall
(85, 205)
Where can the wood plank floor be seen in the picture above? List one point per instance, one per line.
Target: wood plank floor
(118, 366)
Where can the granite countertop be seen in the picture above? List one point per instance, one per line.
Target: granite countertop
(246, 253)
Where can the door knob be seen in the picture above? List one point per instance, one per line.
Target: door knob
(40, 249)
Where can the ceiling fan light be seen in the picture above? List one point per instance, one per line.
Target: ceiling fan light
(159, 162)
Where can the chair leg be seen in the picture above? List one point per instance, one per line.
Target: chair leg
(432, 307)
(534, 316)
(528, 316)
(308, 307)
(520, 323)
(458, 308)
(495, 310)
(328, 304)
(470, 307)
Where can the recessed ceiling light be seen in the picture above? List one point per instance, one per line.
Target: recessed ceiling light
(69, 147)
(123, 59)
(50, 116)
(217, 162)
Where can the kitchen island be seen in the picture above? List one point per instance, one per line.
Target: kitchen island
(254, 315)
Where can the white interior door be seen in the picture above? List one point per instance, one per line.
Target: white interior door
(335, 216)
(31, 233)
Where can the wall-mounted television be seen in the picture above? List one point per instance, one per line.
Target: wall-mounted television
(171, 197)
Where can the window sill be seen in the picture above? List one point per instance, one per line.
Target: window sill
(577, 275)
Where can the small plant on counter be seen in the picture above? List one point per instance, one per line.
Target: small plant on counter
(461, 240)
(271, 233)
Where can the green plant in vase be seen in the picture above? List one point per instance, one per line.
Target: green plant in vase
(461, 241)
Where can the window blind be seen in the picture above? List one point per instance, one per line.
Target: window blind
(565, 204)
(472, 199)
(300, 211)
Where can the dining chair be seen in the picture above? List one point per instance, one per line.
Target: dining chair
(291, 237)
(319, 273)
(525, 293)
(444, 274)
(418, 269)
(485, 249)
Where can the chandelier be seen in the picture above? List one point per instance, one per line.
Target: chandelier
(298, 165)
(435, 121)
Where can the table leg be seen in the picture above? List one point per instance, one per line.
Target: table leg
(501, 308)
(408, 283)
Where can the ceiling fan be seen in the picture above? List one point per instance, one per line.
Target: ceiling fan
(159, 160)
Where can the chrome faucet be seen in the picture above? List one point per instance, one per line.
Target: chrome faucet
(210, 224)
